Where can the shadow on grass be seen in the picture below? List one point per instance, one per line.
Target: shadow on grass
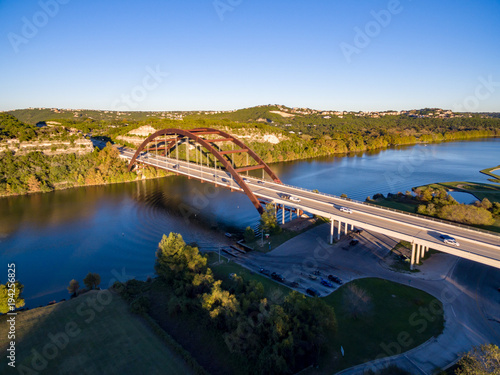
(93, 334)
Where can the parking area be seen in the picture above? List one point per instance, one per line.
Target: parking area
(308, 261)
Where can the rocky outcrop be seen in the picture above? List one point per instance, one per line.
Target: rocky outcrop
(48, 147)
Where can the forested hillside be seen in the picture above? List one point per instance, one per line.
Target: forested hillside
(276, 133)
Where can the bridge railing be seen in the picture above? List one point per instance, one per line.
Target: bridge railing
(394, 210)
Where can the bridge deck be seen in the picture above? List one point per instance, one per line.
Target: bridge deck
(476, 245)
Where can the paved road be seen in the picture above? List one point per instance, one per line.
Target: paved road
(474, 245)
(468, 291)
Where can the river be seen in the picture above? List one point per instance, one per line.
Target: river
(114, 230)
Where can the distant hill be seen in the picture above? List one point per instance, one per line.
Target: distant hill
(35, 115)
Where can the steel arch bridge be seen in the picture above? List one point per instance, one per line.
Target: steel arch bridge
(166, 140)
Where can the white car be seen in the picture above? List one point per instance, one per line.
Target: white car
(294, 199)
(346, 210)
(449, 240)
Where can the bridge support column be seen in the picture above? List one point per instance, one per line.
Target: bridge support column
(331, 230)
(283, 213)
(412, 263)
(417, 260)
(346, 226)
(423, 250)
(338, 230)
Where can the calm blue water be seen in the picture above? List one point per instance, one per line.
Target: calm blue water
(114, 230)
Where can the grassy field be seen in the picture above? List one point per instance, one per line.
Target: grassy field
(393, 325)
(104, 339)
(107, 339)
(387, 328)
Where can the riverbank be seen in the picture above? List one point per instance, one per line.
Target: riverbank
(40, 173)
(489, 172)
(476, 189)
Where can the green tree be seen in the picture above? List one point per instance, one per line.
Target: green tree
(220, 304)
(182, 265)
(249, 234)
(73, 287)
(466, 214)
(495, 210)
(268, 221)
(486, 204)
(92, 280)
(8, 302)
(481, 360)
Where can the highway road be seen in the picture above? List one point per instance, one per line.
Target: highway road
(482, 247)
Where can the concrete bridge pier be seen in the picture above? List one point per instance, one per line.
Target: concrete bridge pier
(332, 225)
(412, 260)
(417, 252)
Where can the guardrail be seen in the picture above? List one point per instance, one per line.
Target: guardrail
(392, 209)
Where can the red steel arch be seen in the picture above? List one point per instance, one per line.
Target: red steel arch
(195, 134)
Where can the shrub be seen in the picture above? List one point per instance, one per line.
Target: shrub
(140, 305)
(466, 214)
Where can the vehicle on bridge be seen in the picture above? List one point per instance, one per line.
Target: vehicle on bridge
(346, 210)
(449, 240)
(294, 199)
(284, 196)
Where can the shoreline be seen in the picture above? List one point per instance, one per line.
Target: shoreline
(341, 154)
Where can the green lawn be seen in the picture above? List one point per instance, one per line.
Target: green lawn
(105, 339)
(394, 324)
(363, 339)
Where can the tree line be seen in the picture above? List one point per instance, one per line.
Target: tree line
(271, 338)
(37, 172)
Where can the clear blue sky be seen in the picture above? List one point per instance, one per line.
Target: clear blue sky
(93, 54)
